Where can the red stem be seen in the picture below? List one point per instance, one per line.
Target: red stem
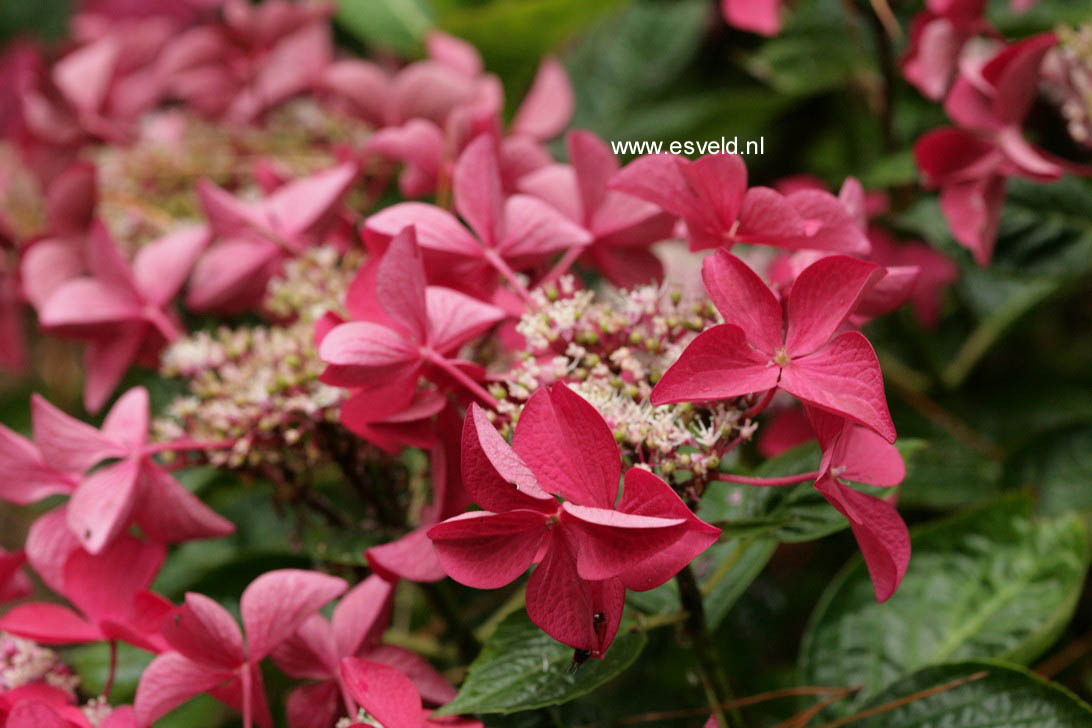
(786, 480)
(113, 669)
(509, 275)
(762, 404)
(464, 379)
(248, 709)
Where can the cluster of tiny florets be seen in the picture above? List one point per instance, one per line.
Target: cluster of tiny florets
(612, 346)
(1067, 73)
(258, 386)
(23, 662)
(96, 710)
(312, 284)
(362, 718)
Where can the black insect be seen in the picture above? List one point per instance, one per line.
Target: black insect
(579, 658)
(599, 624)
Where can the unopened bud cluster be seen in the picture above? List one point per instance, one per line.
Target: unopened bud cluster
(258, 386)
(611, 347)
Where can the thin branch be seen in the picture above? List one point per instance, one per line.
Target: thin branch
(885, 28)
(801, 720)
(887, 17)
(906, 700)
(1065, 657)
(737, 703)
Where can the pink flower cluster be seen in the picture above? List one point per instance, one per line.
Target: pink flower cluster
(568, 430)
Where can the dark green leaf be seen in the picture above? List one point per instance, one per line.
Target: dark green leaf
(1058, 466)
(990, 583)
(725, 571)
(522, 668)
(802, 59)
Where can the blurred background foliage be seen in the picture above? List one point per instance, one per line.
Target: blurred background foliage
(997, 400)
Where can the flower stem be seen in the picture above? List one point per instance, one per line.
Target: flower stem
(113, 669)
(767, 482)
(761, 405)
(494, 259)
(248, 707)
(713, 675)
(562, 266)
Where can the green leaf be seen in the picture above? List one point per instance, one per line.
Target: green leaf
(724, 570)
(339, 546)
(202, 710)
(1058, 466)
(226, 565)
(889, 171)
(977, 694)
(522, 668)
(395, 25)
(990, 583)
(514, 36)
(943, 473)
(614, 76)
